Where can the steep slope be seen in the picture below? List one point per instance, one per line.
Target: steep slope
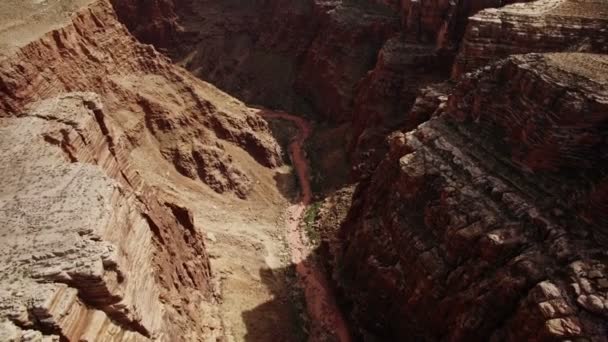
(481, 32)
(140, 87)
(419, 56)
(305, 56)
(97, 242)
(490, 214)
(89, 250)
(359, 62)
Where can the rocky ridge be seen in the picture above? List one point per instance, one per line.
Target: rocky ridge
(493, 212)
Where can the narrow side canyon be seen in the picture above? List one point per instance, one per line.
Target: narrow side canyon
(315, 170)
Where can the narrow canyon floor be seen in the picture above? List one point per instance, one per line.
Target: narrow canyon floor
(265, 278)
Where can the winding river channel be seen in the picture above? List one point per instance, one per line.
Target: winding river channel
(321, 304)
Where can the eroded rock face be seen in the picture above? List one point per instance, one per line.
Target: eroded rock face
(300, 56)
(385, 96)
(345, 61)
(539, 26)
(343, 51)
(141, 89)
(93, 245)
(483, 214)
(89, 250)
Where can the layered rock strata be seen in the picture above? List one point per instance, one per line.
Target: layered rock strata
(442, 22)
(345, 48)
(301, 56)
(90, 119)
(539, 26)
(491, 214)
(141, 89)
(346, 61)
(385, 96)
(89, 251)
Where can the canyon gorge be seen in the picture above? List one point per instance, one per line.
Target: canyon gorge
(313, 170)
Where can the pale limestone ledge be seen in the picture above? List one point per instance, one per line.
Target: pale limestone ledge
(74, 247)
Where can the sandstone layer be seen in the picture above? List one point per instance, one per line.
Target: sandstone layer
(360, 62)
(490, 214)
(482, 32)
(442, 22)
(305, 56)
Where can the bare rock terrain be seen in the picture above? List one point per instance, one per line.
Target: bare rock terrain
(538, 26)
(450, 166)
(89, 250)
(489, 213)
(95, 244)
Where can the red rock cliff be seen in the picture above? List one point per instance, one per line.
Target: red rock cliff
(478, 224)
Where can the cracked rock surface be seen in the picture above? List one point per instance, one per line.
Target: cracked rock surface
(487, 222)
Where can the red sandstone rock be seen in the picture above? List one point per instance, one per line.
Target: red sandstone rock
(463, 217)
(385, 96)
(442, 22)
(100, 253)
(302, 56)
(540, 26)
(343, 51)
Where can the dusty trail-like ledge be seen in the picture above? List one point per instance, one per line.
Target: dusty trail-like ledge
(321, 305)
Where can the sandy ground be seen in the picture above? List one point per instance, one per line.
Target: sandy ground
(22, 21)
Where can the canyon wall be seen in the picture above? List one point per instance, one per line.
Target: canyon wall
(360, 62)
(90, 251)
(485, 222)
(141, 88)
(310, 55)
(488, 222)
(94, 246)
(302, 57)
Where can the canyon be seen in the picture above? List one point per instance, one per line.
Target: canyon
(321, 170)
